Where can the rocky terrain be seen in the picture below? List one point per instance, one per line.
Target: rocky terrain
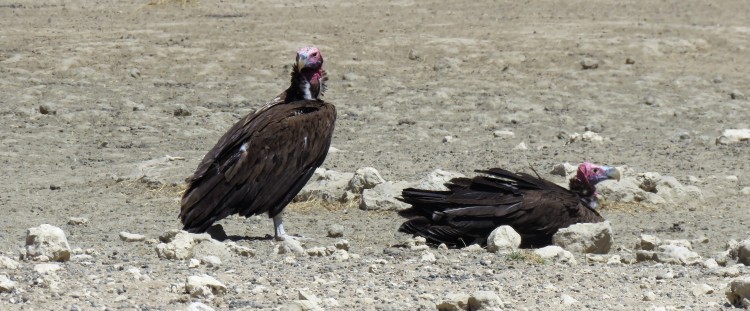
(107, 106)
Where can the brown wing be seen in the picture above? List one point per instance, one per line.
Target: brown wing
(260, 164)
(472, 208)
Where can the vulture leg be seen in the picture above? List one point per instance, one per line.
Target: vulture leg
(278, 225)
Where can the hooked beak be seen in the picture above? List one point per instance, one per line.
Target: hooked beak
(301, 61)
(612, 173)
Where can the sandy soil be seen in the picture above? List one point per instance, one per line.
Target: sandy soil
(124, 82)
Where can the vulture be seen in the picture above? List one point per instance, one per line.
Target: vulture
(472, 208)
(265, 159)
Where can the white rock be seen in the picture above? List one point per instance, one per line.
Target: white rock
(454, 302)
(301, 305)
(364, 178)
(180, 245)
(745, 191)
(290, 246)
(648, 242)
(204, 286)
(436, 180)
(739, 292)
(8, 263)
(317, 251)
(342, 244)
(587, 136)
(521, 146)
(199, 306)
(743, 252)
(503, 239)
(193, 263)
(340, 255)
(77, 221)
(710, 264)
(568, 300)
(45, 268)
(503, 134)
(131, 237)
(46, 243)
(476, 248)
(428, 256)
(211, 261)
(564, 169)
(702, 289)
(383, 197)
(304, 294)
(733, 136)
(585, 238)
(670, 254)
(211, 247)
(325, 185)
(240, 250)
(6, 284)
(449, 139)
(335, 230)
(556, 253)
(484, 300)
(648, 180)
(649, 296)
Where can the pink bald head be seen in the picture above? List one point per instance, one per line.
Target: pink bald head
(591, 174)
(309, 57)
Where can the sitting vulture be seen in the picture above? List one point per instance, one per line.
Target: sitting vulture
(472, 208)
(266, 158)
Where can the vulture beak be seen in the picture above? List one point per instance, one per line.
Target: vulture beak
(301, 61)
(612, 173)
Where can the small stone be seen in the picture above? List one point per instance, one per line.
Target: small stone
(648, 242)
(503, 239)
(733, 136)
(340, 255)
(732, 271)
(135, 73)
(383, 197)
(180, 245)
(503, 134)
(6, 284)
(629, 61)
(735, 94)
(557, 253)
(649, 296)
(317, 251)
(301, 305)
(335, 231)
(710, 264)
(181, 112)
(45, 268)
(454, 302)
(240, 250)
(364, 178)
(568, 300)
(290, 246)
(193, 263)
(436, 180)
(304, 294)
(473, 248)
(413, 55)
(564, 169)
(521, 146)
(131, 237)
(211, 261)
(585, 238)
(449, 139)
(718, 79)
(484, 300)
(342, 244)
(745, 191)
(743, 252)
(77, 221)
(589, 63)
(428, 256)
(350, 76)
(702, 289)
(199, 306)
(649, 100)
(46, 243)
(739, 292)
(204, 286)
(8, 263)
(44, 109)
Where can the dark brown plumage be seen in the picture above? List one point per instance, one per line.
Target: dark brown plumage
(472, 208)
(266, 158)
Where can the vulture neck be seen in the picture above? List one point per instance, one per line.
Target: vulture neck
(585, 191)
(307, 84)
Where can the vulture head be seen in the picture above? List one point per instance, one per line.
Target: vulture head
(586, 178)
(309, 67)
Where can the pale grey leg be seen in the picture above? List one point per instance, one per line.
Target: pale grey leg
(278, 225)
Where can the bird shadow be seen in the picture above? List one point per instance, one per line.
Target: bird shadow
(237, 238)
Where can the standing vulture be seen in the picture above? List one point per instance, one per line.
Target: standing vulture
(472, 208)
(266, 158)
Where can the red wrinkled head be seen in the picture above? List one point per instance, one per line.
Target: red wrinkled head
(309, 58)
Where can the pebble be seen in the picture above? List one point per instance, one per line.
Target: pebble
(342, 244)
(739, 292)
(735, 94)
(568, 300)
(503, 134)
(204, 286)
(290, 246)
(649, 100)
(46, 243)
(413, 55)
(503, 239)
(131, 237)
(8, 263)
(199, 306)
(6, 284)
(733, 136)
(449, 139)
(135, 73)
(335, 231)
(629, 61)
(45, 268)
(649, 296)
(193, 263)
(589, 63)
(428, 256)
(436, 180)
(77, 221)
(702, 289)
(521, 146)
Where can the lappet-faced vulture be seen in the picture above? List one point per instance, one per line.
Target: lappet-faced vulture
(473, 207)
(266, 158)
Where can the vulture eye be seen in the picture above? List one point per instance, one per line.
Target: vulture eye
(314, 54)
(596, 171)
